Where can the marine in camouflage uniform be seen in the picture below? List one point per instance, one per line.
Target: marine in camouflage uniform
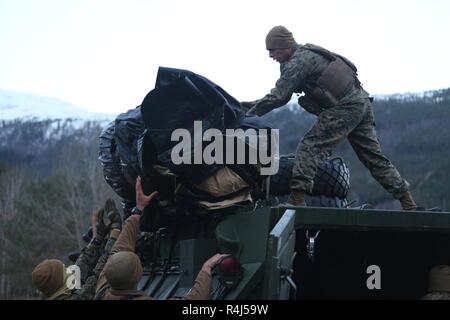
(92, 267)
(50, 276)
(343, 108)
(123, 271)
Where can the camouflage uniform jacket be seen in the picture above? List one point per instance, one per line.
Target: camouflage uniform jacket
(349, 115)
(299, 74)
(91, 263)
(88, 288)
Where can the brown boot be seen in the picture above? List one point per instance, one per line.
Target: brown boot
(408, 202)
(297, 198)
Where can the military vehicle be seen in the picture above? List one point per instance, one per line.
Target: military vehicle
(325, 250)
(307, 253)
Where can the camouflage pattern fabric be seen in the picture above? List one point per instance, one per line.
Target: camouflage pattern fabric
(355, 122)
(88, 288)
(352, 117)
(88, 259)
(104, 257)
(437, 295)
(297, 75)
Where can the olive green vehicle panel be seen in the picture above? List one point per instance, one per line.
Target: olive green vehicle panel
(266, 248)
(246, 233)
(253, 275)
(365, 220)
(265, 241)
(280, 257)
(158, 286)
(405, 245)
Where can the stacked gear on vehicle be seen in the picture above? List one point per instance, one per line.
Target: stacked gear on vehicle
(331, 183)
(139, 142)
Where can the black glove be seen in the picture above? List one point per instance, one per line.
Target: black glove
(87, 237)
(113, 214)
(101, 228)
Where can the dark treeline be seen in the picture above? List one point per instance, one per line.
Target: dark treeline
(45, 206)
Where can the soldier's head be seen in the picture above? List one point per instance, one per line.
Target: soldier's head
(49, 277)
(280, 43)
(123, 270)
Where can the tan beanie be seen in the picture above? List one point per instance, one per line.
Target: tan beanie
(123, 270)
(279, 38)
(48, 276)
(439, 279)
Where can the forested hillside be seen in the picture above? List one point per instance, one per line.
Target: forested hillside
(48, 189)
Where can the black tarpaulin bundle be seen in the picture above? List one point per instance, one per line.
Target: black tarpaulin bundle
(140, 139)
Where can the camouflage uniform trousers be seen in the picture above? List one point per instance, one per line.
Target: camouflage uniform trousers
(354, 121)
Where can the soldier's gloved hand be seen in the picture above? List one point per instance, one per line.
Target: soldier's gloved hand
(113, 214)
(116, 219)
(102, 229)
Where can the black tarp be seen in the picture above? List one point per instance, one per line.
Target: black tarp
(141, 137)
(180, 98)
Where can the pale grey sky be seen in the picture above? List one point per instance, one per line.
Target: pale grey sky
(104, 54)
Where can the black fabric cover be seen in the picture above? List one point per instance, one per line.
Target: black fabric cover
(141, 137)
(180, 98)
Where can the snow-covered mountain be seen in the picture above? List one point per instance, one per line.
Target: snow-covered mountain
(434, 96)
(28, 107)
(35, 129)
(425, 97)
(14, 105)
